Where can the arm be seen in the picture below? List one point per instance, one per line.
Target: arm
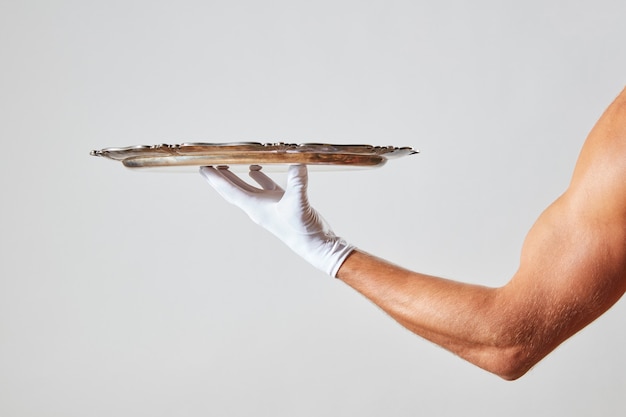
(572, 269)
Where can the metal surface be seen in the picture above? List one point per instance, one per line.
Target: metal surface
(252, 153)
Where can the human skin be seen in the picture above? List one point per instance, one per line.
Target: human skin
(572, 269)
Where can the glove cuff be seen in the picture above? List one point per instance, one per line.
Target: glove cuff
(326, 253)
(340, 253)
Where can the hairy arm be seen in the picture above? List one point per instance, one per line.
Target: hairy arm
(572, 269)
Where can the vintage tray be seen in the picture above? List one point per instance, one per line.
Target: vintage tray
(252, 153)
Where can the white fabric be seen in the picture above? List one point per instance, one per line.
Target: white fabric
(285, 213)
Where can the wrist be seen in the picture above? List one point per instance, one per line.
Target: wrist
(341, 251)
(326, 253)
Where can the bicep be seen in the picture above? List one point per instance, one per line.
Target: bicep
(573, 262)
(572, 270)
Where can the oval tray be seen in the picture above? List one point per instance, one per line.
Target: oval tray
(253, 153)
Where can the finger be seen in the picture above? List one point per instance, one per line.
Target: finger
(263, 180)
(228, 188)
(208, 173)
(228, 174)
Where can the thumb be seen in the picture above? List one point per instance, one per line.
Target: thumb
(297, 179)
(297, 184)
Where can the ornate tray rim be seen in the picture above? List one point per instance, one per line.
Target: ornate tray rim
(252, 153)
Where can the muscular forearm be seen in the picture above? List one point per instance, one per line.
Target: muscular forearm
(468, 320)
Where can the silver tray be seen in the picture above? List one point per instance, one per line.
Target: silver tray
(253, 153)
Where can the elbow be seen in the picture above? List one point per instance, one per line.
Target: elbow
(513, 375)
(513, 341)
(511, 368)
(509, 362)
(508, 353)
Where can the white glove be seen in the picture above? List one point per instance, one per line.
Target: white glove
(285, 213)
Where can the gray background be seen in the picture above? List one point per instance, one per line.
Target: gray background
(145, 294)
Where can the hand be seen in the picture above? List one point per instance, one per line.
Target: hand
(285, 213)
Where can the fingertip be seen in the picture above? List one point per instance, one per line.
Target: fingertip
(297, 172)
(206, 171)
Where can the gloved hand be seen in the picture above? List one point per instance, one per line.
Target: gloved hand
(285, 213)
